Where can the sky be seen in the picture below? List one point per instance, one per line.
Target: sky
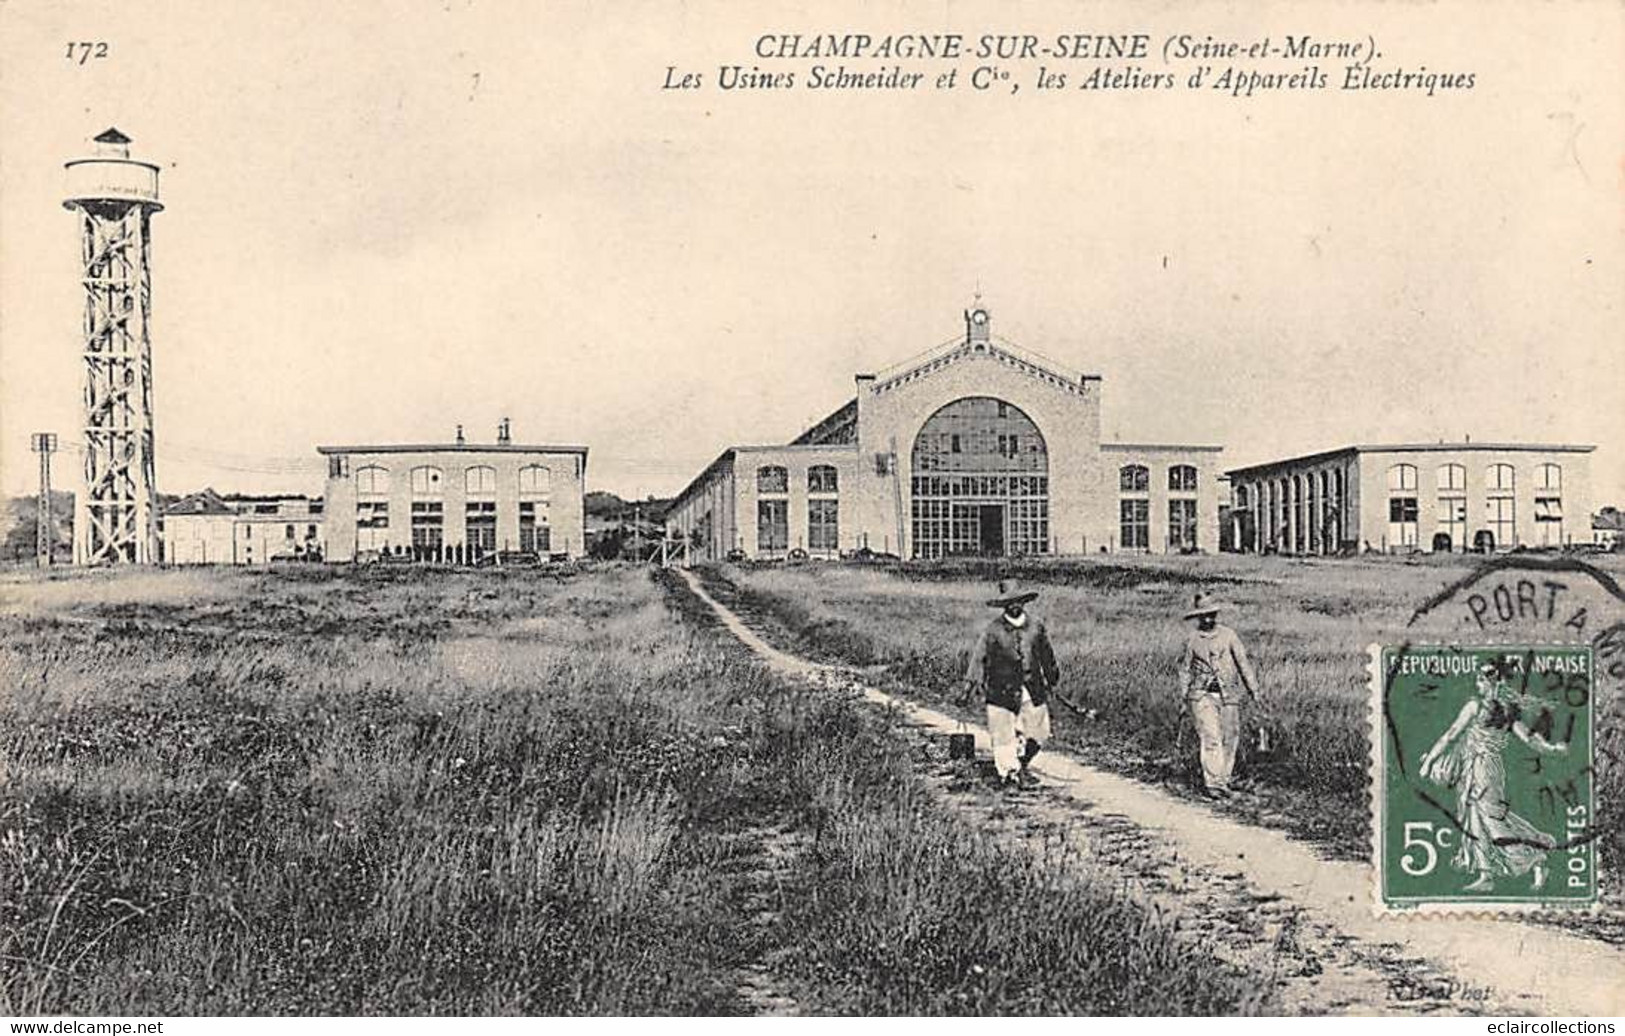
(386, 219)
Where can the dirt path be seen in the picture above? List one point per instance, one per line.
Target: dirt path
(1260, 899)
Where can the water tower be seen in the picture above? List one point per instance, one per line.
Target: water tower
(115, 517)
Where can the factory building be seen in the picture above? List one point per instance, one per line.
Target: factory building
(208, 528)
(976, 447)
(1415, 497)
(457, 502)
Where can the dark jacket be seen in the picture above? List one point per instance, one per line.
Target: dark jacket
(1007, 658)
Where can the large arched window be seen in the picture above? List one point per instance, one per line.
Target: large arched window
(772, 509)
(979, 480)
(1501, 505)
(535, 517)
(823, 510)
(1182, 478)
(428, 512)
(372, 480)
(535, 481)
(822, 478)
(427, 481)
(480, 509)
(1403, 509)
(480, 481)
(1134, 478)
(771, 478)
(371, 508)
(1549, 505)
(1450, 528)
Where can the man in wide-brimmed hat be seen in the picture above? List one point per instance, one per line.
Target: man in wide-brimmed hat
(1215, 678)
(1013, 666)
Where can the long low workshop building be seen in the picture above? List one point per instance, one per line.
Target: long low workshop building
(1415, 496)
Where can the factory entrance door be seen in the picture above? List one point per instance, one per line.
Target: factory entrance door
(979, 482)
(991, 527)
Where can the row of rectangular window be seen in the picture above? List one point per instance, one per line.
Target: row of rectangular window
(1408, 508)
(1498, 478)
(1134, 526)
(478, 480)
(946, 528)
(929, 486)
(823, 525)
(1136, 478)
(821, 478)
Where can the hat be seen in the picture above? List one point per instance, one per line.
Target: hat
(1204, 604)
(1010, 592)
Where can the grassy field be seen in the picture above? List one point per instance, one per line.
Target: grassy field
(319, 791)
(1118, 636)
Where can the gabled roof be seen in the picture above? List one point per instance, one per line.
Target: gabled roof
(837, 429)
(999, 349)
(205, 502)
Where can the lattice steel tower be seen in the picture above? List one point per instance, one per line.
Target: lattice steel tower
(115, 516)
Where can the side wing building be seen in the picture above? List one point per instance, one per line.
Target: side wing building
(458, 502)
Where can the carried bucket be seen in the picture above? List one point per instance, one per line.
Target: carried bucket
(962, 745)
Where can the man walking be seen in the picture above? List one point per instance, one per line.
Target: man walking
(1013, 666)
(1215, 677)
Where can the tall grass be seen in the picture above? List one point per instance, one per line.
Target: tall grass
(1118, 636)
(323, 792)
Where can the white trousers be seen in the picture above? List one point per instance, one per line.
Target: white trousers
(1218, 726)
(1010, 731)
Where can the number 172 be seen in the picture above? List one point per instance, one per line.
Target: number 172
(85, 51)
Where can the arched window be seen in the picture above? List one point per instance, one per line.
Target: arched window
(1134, 478)
(1242, 497)
(1549, 505)
(480, 481)
(1403, 510)
(822, 478)
(772, 479)
(427, 482)
(535, 517)
(372, 480)
(979, 481)
(1450, 531)
(480, 510)
(1500, 505)
(535, 481)
(428, 512)
(371, 508)
(1182, 478)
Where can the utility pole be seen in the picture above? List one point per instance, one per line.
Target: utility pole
(44, 444)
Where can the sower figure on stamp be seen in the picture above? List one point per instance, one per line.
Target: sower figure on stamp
(1013, 666)
(1215, 678)
(1495, 842)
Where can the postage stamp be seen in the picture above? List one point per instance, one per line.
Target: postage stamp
(1483, 792)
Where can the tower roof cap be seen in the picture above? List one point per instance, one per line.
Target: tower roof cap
(111, 135)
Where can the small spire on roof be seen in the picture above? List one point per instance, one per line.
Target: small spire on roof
(111, 135)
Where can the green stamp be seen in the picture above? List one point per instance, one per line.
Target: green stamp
(1482, 794)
